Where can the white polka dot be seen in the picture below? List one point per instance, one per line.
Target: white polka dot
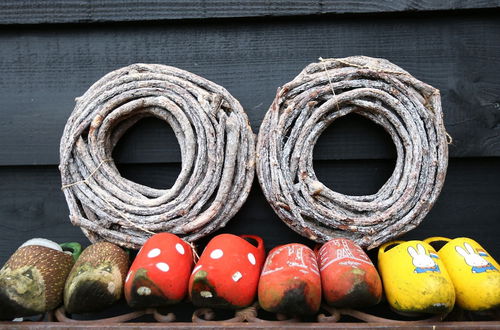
(154, 253)
(206, 294)
(162, 266)
(251, 258)
(237, 276)
(143, 291)
(128, 276)
(179, 248)
(197, 268)
(216, 254)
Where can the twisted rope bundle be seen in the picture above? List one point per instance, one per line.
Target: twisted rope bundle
(217, 149)
(408, 109)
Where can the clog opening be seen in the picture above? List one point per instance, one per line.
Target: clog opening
(437, 245)
(390, 246)
(42, 242)
(252, 241)
(73, 249)
(69, 249)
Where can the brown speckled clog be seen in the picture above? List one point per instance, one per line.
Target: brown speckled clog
(96, 280)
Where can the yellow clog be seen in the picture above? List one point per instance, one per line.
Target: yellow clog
(475, 274)
(415, 279)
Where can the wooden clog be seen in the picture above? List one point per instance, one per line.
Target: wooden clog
(415, 278)
(474, 272)
(227, 274)
(349, 278)
(32, 280)
(160, 273)
(96, 280)
(290, 281)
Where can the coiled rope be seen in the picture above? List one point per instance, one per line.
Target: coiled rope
(408, 109)
(217, 149)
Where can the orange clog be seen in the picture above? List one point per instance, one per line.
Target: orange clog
(227, 274)
(348, 277)
(290, 282)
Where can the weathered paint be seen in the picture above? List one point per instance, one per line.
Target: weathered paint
(160, 272)
(474, 272)
(290, 281)
(227, 274)
(348, 277)
(415, 278)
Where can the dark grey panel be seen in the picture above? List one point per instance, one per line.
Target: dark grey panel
(43, 68)
(77, 11)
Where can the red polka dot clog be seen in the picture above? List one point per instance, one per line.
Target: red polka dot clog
(348, 276)
(227, 274)
(159, 274)
(290, 282)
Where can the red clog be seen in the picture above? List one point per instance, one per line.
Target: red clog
(348, 276)
(159, 274)
(290, 282)
(227, 274)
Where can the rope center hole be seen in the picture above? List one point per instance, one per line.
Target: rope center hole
(354, 156)
(149, 154)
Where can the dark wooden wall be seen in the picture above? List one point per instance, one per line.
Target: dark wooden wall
(51, 52)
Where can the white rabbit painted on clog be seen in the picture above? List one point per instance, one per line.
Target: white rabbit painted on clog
(473, 259)
(423, 263)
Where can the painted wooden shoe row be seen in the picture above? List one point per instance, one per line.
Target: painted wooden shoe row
(232, 269)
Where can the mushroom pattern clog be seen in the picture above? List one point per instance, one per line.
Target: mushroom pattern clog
(160, 273)
(227, 274)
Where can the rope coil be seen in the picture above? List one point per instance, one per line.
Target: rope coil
(408, 109)
(217, 150)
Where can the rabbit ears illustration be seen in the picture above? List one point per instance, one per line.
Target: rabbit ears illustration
(414, 253)
(463, 253)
